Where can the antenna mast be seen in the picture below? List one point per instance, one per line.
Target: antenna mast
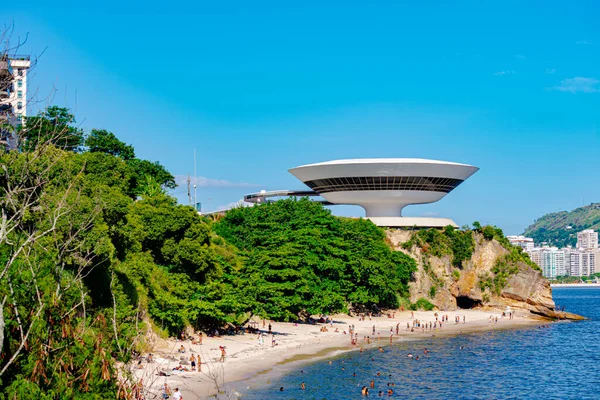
(195, 184)
(189, 191)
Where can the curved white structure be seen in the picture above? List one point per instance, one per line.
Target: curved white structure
(384, 186)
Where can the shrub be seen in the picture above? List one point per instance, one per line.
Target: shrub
(432, 292)
(422, 304)
(456, 274)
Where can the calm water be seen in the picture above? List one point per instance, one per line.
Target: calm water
(560, 362)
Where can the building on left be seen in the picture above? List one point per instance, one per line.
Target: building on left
(13, 95)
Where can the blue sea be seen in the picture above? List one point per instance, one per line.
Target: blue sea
(559, 362)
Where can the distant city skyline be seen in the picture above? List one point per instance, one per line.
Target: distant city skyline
(259, 88)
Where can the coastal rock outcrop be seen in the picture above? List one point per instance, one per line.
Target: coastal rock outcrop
(490, 277)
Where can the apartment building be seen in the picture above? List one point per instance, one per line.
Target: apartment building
(585, 262)
(550, 259)
(526, 243)
(587, 239)
(13, 96)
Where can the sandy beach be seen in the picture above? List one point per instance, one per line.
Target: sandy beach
(247, 357)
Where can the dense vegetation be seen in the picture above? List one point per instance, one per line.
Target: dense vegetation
(94, 253)
(560, 228)
(300, 259)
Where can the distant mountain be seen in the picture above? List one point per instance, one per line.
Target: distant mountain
(560, 228)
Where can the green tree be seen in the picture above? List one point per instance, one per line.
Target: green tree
(101, 140)
(55, 125)
(143, 168)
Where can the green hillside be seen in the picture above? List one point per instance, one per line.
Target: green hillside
(560, 228)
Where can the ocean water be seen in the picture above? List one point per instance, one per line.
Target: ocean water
(559, 362)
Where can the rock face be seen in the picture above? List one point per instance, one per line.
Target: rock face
(524, 290)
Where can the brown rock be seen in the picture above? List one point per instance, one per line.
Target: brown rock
(527, 290)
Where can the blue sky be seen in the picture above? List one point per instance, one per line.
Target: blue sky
(260, 87)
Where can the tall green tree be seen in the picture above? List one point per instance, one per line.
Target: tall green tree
(101, 140)
(55, 125)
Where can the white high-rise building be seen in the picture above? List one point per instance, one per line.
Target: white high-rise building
(550, 259)
(585, 262)
(526, 243)
(587, 239)
(18, 97)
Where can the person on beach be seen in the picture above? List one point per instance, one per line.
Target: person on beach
(223, 354)
(177, 394)
(269, 329)
(181, 349)
(373, 329)
(166, 391)
(193, 362)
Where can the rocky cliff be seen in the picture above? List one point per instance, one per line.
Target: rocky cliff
(491, 274)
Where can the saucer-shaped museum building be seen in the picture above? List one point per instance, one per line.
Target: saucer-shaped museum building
(382, 186)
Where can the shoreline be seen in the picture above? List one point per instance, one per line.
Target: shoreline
(299, 344)
(574, 285)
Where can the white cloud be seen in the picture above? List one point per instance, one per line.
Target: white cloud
(520, 56)
(550, 71)
(508, 72)
(579, 84)
(584, 42)
(202, 181)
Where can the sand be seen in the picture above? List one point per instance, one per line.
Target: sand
(297, 343)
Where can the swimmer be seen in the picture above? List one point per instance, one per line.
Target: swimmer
(303, 386)
(381, 350)
(281, 389)
(409, 355)
(364, 391)
(372, 384)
